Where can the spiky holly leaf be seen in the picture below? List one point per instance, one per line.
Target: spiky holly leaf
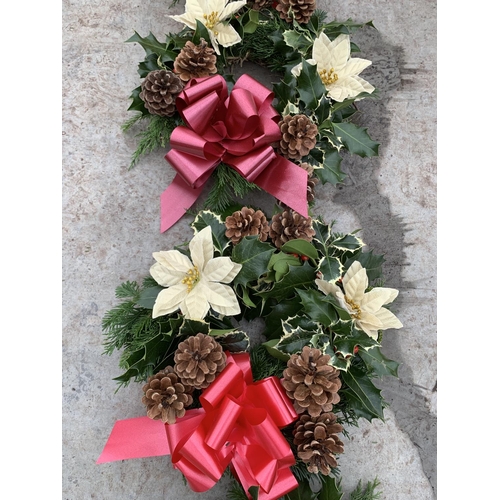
(356, 139)
(150, 44)
(322, 342)
(347, 242)
(282, 310)
(254, 256)
(371, 262)
(193, 327)
(332, 489)
(317, 308)
(208, 218)
(232, 340)
(310, 86)
(286, 95)
(378, 363)
(331, 268)
(137, 103)
(331, 171)
(300, 42)
(295, 338)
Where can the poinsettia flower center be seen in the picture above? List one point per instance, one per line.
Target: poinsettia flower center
(211, 20)
(192, 277)
(328, 76)
(355, 309)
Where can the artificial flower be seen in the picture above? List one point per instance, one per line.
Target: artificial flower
(212, 13)
(365, 308)
(194, 285)
(337, 70)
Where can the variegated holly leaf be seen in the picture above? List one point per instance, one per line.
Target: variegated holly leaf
(317, 308)
(208, 218)
(378, 363)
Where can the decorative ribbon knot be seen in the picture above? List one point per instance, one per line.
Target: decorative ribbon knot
(238, 426)
(237, 129)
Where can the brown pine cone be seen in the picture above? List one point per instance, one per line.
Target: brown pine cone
(298, 136)
(198, 359)
(246, 222)
(160, 89)
(311, 382)
(195, 61)
(317, 441)
(300, 10)
(165, 397)
(290, 225)
(312, 181)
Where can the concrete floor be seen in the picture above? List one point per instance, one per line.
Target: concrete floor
(111, 227)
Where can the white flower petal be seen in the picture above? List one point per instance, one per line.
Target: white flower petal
(376, 298)
(194, 8)
(370, 321)
(187, 19)
(321, 52)
(355, 282)
(222, 299)
(202, 248)
(221, 269)
(164, 276)
(169, 300)
(327, 287)
(350, 86)
(367, 87)
(388, 319)
(231, 8)
(173, 260)
(226, 35)
(195, 305)
(354, 67)
(340, 51)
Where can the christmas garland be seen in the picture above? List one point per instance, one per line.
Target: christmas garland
(270, 413)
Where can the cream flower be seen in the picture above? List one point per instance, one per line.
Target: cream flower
(194, 287)
(365, 308)
(337, 70)
(212, 13)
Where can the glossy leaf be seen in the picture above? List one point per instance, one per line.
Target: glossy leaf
(310, 86)
(317, 308)
(254, 255)
(192, 327)
(380, 364)
(148, 296)
(331, 171)
(331, 268)
(208, 218)
(300, 247)
(356, 139)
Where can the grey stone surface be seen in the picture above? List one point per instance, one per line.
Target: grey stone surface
(111, 227)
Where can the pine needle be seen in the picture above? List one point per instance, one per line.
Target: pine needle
(366, 493)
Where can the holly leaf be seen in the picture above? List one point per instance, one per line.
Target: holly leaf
(282, 310)
(317, 308)
(365, 393)
(137, 103)
(295, 338)
(297, 278)
(254, 256)
(191, 327)
(372, 263)
(208, 218)
(298, 41)
(310, 86)
(200, 32)
(150, 44)
(331, 268)
(300, 247)
(324, 110)
(232, 340)
(286, 94)
(332, 490)
(356, 139)
(331, 171)
(347, 243)
(380, 364)
(280, 264)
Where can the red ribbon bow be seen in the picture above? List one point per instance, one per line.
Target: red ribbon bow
(238, 425)
(237, 129)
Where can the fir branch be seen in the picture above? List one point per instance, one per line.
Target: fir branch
(366, 493)
(236, 491)
(155, 136)
(264, 365)
(227, 184)
(132, 121)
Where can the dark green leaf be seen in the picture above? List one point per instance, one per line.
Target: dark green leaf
(254, 255)
(330, 268)
(380, 364)
(192, 327)
(200, 32)
(332, 490)
(298, 41)
(324, 110)
(283, 310)
(208, 218)
(356, 139)
(276, 353)
(317, 308)
(150, 44)
(302, 492)
(149, 64)
(284, 93)
(347, 242)
(301, 247)
(137, 102)
(298, 277)
(331, 171)
(148, 296)
(372, 263)
(232, 340)
(310, 86)
(254, 492)
(280, 262)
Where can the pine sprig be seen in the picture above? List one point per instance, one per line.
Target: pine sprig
(368, 492)
(264, 365)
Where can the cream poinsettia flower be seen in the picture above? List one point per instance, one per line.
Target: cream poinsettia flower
(212, 14)
(337, 70)
(195, 285)
(366, 309)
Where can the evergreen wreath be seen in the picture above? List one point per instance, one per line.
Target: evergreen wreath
(271, 413)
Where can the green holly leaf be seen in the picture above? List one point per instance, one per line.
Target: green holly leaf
(332, 489)
(137, 103)
(208, 218)
(347, 243)
(372, 263)
(380, 364)
(232, 340)
(356, 139)
(200, 32)
(302, 492)
(150, 44)
(331, 171)
(282, 310)
(295, 338)
(298, 41)
(254, 256)
(331, 268)
(300, 247)
(286, 95)
(191, 327)
(275, 353)
(280, 264)
(365, 393)
(310, 86)
(324, 111)
(322, 342)
(317, 308)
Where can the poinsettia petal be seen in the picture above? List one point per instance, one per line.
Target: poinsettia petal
(169, 300)
(351, 86)
(173, 260)
(221, 269)
(195, 305)
(327, 287)
(218, 294)
(370, 320)
(354, 67)
(164, 276)
(388, 319)
(231, 8)
(376, 298)
(367, 87)
(187, 18)
(226, 35)
(321, 52)
(201, 248)
(340, 51)
(355, 282)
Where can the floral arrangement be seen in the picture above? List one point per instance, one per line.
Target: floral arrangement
(272, 413)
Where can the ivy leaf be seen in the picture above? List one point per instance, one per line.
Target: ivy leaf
(331, 268)
(208, 218)
(150, 44)
(148, 296)
(310, 86)
(331, 171)
(379, 363)
(298, 277)
(363, 390)
(356, 139)
(317, 308)
(254, 256)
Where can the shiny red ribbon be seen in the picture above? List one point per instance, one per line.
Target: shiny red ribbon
(238, 426)
(237, 129)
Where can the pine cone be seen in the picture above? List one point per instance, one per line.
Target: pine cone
(317, 441)
(165, 397)
(160, 89)
(298, 136)
(300, 10)
(247, 222)
(198, 359)
(195, 61)
(290, 225)
(311, 382)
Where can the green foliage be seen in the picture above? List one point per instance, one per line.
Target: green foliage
(367, 492)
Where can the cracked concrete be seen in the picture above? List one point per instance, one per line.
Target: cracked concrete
(111, 227)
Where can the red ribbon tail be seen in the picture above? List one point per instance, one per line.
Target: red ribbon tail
(135, 438)
(175, 200)
(287, 182)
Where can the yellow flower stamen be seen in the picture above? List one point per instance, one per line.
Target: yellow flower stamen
(192, 277)
(211, 20)
(328, 76)
(355, 309)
